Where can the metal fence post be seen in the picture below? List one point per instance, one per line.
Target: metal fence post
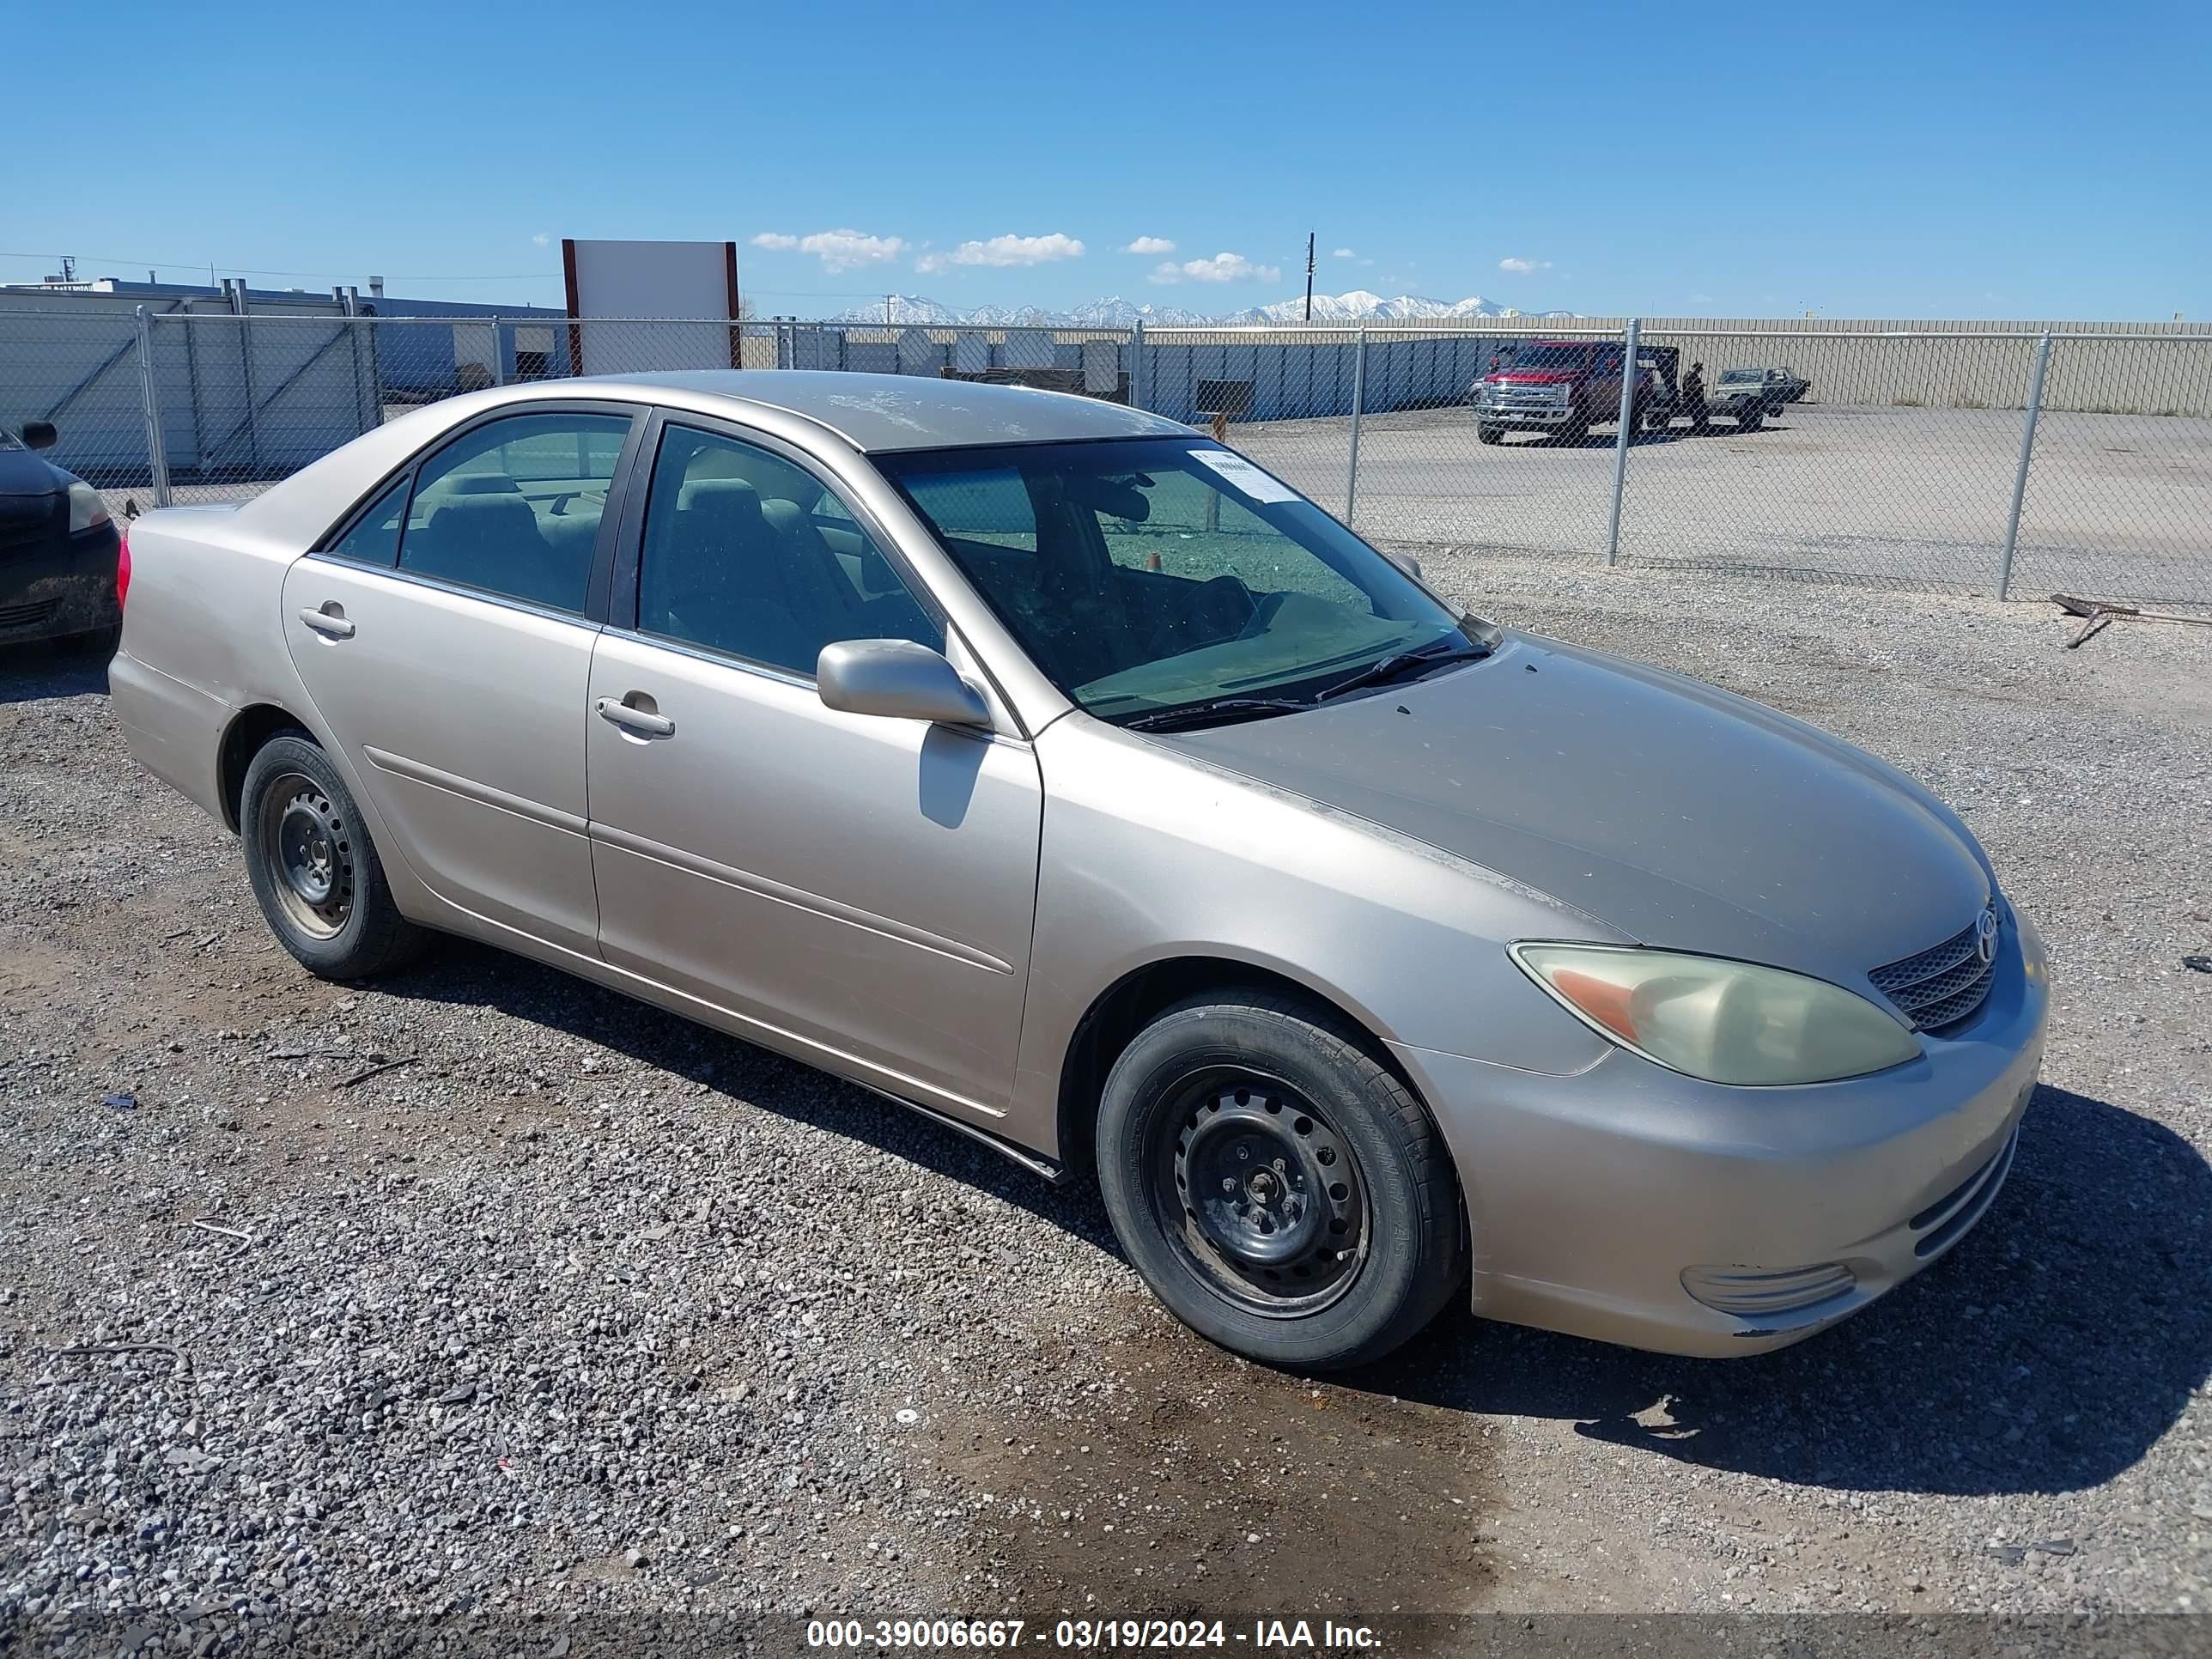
(498, 357)
(1359, 402)
(2020, 477)
(1137, 365)
(1626, 435)
(157, 456)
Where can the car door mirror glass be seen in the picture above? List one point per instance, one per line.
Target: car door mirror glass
(896, 679)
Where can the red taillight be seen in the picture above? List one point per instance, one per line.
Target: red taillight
(122, 569)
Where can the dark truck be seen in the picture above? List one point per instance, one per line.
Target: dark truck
(1557, 388)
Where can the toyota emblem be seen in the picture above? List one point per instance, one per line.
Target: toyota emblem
(1985, 938)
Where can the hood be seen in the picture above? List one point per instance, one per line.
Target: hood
(25, 473)
(1685, 816)
(1535, 376)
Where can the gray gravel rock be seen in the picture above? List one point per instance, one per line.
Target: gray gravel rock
(589, 1313)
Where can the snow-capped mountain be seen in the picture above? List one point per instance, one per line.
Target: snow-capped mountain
(903, 310)
(1361, 306)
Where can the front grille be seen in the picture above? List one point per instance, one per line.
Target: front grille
(1945, 983)
(28, 616)
(1534, 397)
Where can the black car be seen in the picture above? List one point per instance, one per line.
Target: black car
(58, 551)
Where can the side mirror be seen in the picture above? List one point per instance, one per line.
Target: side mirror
(1407, 562)
(898, 680)
(39, 435)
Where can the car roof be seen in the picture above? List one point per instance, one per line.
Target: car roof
(883, 412)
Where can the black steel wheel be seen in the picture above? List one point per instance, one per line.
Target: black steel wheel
(1276, 1183)
(1249, 1177)
(313, 869)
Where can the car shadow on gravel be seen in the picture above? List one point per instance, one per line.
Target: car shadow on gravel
(2046, 1353)
(463, 972)
(30, 672)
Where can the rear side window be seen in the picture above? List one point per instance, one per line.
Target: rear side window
(513, 507)
(374, 538)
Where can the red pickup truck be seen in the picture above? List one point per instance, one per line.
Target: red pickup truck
(1559, 387)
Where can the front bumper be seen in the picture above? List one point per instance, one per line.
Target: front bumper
(64, 585)
(1531, 415)
(1591, 1197)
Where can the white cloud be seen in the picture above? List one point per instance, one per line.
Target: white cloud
(1343, 254)
(838, 250)
(1150, 245)
(1221, 268)
(541, 239)
(1524, 267)
(1005, 251)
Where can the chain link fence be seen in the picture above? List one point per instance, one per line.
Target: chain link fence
(1982, 460)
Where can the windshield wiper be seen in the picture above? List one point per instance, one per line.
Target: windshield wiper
(1453, 647)
(1215, 711)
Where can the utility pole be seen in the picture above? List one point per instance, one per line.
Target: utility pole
(1310, 252)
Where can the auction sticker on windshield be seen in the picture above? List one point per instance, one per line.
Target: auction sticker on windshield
(1242, 476)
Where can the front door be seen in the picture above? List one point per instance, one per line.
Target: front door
(854, 890)
(446, 640)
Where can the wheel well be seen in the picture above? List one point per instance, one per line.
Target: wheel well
(249, 729)
(1130, 1004)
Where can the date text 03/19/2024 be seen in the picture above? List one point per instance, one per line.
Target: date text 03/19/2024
(1265, 1635)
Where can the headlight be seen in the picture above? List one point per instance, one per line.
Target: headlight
(1726, 1022)
(86, 508)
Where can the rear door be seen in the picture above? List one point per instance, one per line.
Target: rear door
(446, 636)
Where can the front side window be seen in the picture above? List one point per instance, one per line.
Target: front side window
(513, 507)
(747, 554)
(1168, 573)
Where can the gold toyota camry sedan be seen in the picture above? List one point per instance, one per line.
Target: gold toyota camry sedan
(1055, 771)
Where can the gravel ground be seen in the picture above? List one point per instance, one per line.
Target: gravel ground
(575, 1310)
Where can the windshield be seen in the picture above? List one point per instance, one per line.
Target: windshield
(1549, 356)
(8, 439)
(1161, 573)
(1740, 374)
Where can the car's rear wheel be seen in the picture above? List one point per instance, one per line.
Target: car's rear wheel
(1278, 1187)
(313, 870)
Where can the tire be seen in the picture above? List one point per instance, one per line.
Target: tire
(1750, 420)
(303, 832)
(1365, 1244)
(1490, 434)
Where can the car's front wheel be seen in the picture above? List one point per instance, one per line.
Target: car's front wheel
(1279, 1189)
(312, 868)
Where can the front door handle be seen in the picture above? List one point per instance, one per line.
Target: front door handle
(644, 721)
(330, 624)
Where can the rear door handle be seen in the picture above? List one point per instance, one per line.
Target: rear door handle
(331, 624)
(642, 721)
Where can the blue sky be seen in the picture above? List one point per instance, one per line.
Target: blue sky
(2029, 159)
